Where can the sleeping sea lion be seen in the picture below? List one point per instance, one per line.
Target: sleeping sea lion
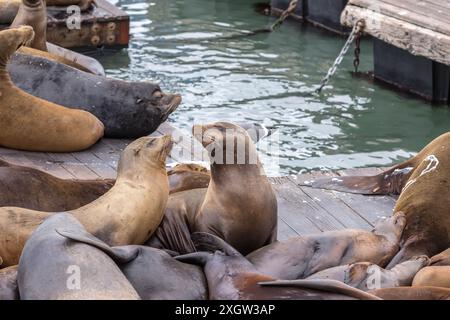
(231, 276)
(368, 276)
(300, 257)
(153, 273)
(8, 283)
(424, 190)
(239, 204)
(412, 293)
(127, 109)
(30, 123)
(52, 267)
(127, 214)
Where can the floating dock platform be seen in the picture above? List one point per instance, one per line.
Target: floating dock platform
(302, 210)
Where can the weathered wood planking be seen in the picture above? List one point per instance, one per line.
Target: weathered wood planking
(401, 23)
(302, 210)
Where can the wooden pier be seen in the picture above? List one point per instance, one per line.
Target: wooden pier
(302, 210)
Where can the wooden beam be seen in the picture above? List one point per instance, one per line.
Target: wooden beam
(417, 40)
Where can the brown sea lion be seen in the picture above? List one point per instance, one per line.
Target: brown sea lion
(153, 273)
(127, 214)
(8, 10)
(433, 276)
(33, 13)
(231, 276)
(368, 276)
(187, 177)
(300, 257)
(424, 190)
(8, 283)
(52, 267)
(239, 204)
(30, 123)
(412, 293)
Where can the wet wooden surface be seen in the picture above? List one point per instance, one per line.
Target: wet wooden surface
(302, 210)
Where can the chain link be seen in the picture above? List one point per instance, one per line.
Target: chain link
(357, 30)
(286, 13)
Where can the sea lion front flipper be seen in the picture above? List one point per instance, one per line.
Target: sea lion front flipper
(441, 259)
(391, 181)
(120, 255)
(197, 258)
(204, 241)
(333, 286)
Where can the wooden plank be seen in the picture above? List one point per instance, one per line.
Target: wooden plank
(95, 164)
(75, 167)
(417, 40)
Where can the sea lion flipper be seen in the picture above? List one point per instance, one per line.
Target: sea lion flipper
(204, 241)
(388, 182)
(197, 258)
(324, 285)
(118, 254)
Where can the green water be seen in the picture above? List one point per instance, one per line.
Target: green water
(270, 79)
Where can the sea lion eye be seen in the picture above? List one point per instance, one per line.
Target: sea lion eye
(150, 143)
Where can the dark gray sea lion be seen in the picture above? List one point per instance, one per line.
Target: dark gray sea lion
(239, 204)
(424, 189)
(153, 273)
(53, 267)
(231, 276)
(300, 257)
(127, 109)
(368, 276)
(8, 283)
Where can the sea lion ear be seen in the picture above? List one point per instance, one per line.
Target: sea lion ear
(207, 242)
(197, 258)
(118, 254)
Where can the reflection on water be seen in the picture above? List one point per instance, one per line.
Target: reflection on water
(270, 79)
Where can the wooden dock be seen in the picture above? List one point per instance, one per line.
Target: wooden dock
(302, 210)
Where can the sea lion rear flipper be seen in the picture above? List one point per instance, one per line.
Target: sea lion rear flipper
(324, 285)
(204, 241)
(120, 255)
(388, 182)
(197, 258)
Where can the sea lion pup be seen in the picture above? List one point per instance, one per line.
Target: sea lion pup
(37, 190)
(187, 177)
(8, 283)
(153, 273)
(239, 204)
(52, 267)
(368, 276)
(300, 257)
(127, 109)
(412, 293)
(127, 214)
(231, 276)
(30, 123)
(33, 13)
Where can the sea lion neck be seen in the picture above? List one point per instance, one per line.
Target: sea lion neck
(130, 173)
(223, 173)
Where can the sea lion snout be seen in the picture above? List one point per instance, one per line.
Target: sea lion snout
(166, 103)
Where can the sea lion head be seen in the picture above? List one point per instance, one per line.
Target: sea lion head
(164, 103)
(13, 39)
(150, 151)
(392, 227)
(227, 143)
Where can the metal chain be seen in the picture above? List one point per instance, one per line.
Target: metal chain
(357, 29)
(358, 37)
(286, 13)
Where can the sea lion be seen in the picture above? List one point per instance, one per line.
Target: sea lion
(368, 276)
(8, 283)
(231, 276)
(8, 10)
(239, 204)
(52, 267)
(433, 276)
(37, 190)
(30, 123)
(127, 214)
(412, 293)
(187, 177)
(424, 197)
(127, 109)
(153, 273)
(300, 257)
(33, 13)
